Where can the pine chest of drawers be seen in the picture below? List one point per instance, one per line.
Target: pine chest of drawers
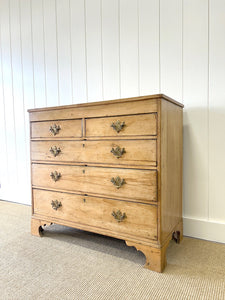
(112, 167)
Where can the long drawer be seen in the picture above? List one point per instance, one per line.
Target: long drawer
(112, 182)
(133, 219)
(123, 152)
(144, 124)
(57, 129)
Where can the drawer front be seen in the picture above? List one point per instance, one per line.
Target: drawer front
(118, 152)
(139, 220)
(144, 124)
(98, 109)
(112, 182)
(57, 129)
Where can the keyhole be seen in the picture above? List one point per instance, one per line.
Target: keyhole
(83, 171)
(84, 200)
(83, 145)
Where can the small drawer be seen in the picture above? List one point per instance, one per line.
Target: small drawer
(116, 152)
(134, 219)
(134, 125)
(129, 184)
(57, 129)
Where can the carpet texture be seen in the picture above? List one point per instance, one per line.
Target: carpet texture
(72, 264)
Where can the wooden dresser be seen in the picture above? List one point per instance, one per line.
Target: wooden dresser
(112, 167)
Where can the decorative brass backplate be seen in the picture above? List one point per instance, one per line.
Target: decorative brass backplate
(56, 204)
(55, 151)
(55, 175)
(118, 182)
(119, 216)
(118, 152)
(118, 126)
(54, 129)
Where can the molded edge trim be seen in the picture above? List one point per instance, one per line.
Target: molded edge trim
(147, 97)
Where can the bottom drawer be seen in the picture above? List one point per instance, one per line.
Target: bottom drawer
(130, 218)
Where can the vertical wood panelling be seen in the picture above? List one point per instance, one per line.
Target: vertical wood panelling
(19, 113)
(78, 46)
(27, 60)
(3, 149)
(129, 54)
(217, 110)
(56, 52)
(94, 50)
(149, 46)
(38, 52)
(171, 48)
(28, 85)
(195, 95)
(2, 118)
(8, 98)
(64, 51)
(50, 49)
(110, 49)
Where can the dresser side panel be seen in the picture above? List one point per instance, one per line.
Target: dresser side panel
(171, 168)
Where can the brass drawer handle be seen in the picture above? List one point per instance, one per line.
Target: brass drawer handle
(55, 151)
(118, 216)
(56, 204)
(54, 129)
(118, 126)
(118, 152)
(55, 176)
(118, 182)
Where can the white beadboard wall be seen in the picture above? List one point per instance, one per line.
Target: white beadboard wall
(55, 52)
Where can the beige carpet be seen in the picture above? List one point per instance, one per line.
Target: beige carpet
(73, 264)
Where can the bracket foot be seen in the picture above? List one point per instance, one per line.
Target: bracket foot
(36, 226)
(155, 257)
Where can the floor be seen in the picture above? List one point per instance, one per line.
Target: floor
(72, 264)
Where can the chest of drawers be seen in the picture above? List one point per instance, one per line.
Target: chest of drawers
(112, 167)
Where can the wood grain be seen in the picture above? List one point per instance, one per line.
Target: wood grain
(153, 99)
(140, 185)
(36, 226)
(98, 212)
(144, 124)
(141, 153)
(155, 257)
(147, 209)
(97, 110)
(68, 129)
(171, 168)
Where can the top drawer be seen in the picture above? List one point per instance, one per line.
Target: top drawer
(134, 125)
(57, 129)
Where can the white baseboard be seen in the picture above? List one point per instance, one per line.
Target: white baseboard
(17, 194)
(204, 229)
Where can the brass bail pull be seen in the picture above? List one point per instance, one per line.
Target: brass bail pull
(118, 216)
(118, 126)
(55, 151)
(118, 182)
(54, 129)
(118, 152)
(56, 204)
(55, 176)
